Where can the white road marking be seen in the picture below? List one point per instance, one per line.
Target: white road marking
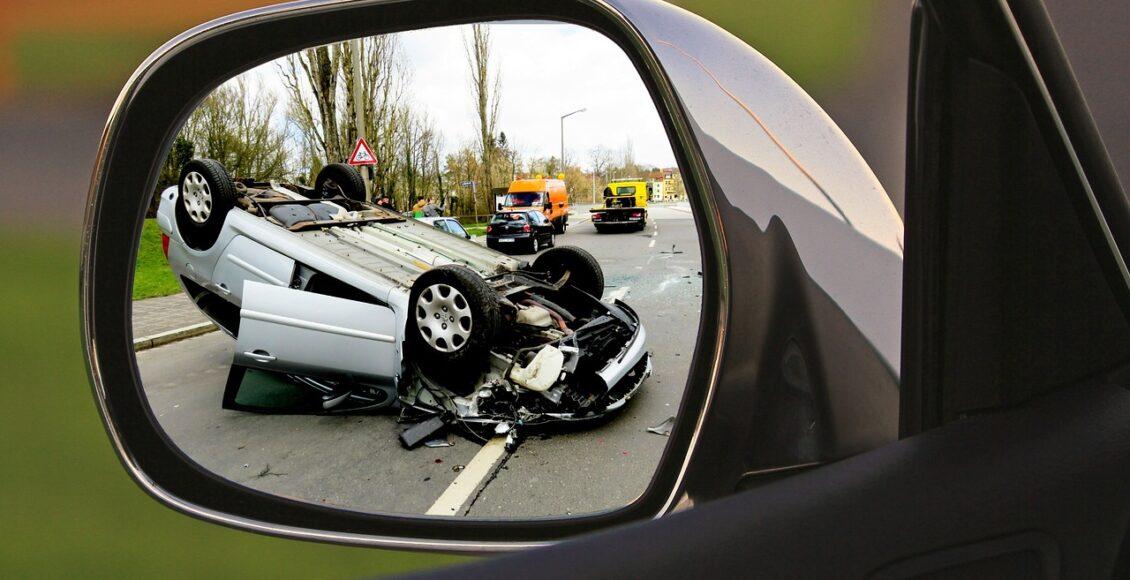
(452, 500)
(652, 244)
(617, 294)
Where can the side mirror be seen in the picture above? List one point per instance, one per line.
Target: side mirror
(770, 346)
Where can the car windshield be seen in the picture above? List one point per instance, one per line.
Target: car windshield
(626, 190)
(502, 218)
(524, 199)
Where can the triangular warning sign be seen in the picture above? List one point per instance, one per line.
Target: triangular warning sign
(362, 154)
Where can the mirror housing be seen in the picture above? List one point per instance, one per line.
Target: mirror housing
(794, 365)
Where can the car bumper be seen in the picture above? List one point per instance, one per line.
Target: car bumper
(629, 357)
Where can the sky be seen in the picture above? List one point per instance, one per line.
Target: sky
(547, 70)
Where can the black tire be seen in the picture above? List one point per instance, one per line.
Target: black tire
(559, 226)
(535, 244)
(584, 271)
(456, 367)
(205, 194)
(599, 229)
(340, 179)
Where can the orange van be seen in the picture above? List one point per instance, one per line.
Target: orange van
(547, 195)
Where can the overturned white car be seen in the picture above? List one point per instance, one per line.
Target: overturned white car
(370, 310)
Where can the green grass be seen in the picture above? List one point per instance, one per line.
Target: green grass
(479, 229)
(152, 276)
(69, 509)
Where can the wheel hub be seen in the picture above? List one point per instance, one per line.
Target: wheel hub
(197, 197)
(443, 317)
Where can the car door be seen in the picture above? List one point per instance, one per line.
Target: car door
(1015, 389)
(305, 333)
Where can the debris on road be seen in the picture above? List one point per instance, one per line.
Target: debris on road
(422, 431)
(438, 442)
(664, 427)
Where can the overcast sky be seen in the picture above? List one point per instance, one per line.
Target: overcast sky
(548, 69)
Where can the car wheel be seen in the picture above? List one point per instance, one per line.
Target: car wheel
(340, 179)
(584, 271)
(205, 195)
(452, 324)
(535, 245)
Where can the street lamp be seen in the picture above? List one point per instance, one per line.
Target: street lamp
(563, 135)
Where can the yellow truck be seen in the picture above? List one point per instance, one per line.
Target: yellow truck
(624, 208)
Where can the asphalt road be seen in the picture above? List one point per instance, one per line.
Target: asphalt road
(357, 462)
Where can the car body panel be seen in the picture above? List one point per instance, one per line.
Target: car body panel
(378, 259)
(813, 347)
(293, 331)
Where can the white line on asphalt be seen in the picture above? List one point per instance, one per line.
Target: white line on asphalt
(652, 244)
(450, 503)
(617, 294)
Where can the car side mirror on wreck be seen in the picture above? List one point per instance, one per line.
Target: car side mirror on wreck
(293, 347)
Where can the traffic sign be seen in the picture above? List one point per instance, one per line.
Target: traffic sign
(362, 154)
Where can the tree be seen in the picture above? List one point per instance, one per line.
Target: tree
(600, 161)
(320, 86)
(486, 90)
(628, 166)
(233, 126)
(316, 72)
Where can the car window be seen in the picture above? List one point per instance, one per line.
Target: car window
(456, 228)
(508, 217)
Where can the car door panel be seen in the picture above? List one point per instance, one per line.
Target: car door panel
(247, 260)
(293, 331)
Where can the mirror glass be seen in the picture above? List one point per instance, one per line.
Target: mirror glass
(449, 271)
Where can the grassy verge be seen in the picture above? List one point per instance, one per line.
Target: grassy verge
(69, 509)
(479, 229)
(152, 276)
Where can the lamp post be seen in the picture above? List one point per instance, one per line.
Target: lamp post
(563, 135)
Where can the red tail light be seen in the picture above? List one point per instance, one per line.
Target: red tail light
(526, 228)
(637, 214)
(165, 245)
(489, 228)
(596, 217)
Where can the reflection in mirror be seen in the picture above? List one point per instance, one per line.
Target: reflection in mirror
(449, 272)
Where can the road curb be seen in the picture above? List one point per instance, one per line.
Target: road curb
(163, 338)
